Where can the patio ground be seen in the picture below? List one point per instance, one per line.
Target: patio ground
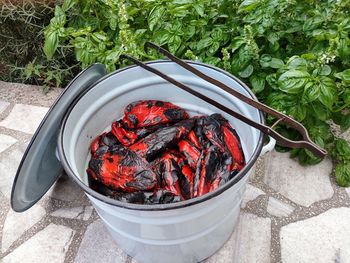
(290, 213)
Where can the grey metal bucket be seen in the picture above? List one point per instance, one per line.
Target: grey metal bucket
(188, 231)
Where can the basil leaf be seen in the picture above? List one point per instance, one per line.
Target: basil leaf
(343, 149)
(296, 62)
(342, 174)
(51, 43)
(199, 7)
(174, 43)
(247, 72)
(248, 5)
(155, 16)
(276, 63)
(293, 81)
(319, 111)
(311, 92)
(344, 49)
(298, 112)
(272, 81)
(327, 91)
(68, 4)
(325, 70)
(236, 43)
(60, 16)
(204, 43)
(265, 60)
(343, 120)
(258, 83)
(344, 76)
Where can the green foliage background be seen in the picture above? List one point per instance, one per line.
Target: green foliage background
(295, 55)
(21, 46)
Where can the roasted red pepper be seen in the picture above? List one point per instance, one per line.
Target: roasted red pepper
(127, 136)
(212, 130)
(168, 173)
(199, 134)
(145, 113)
(122, 169)
(223, 172)
(156, 155)
(186, 181)
(105, 139)
(219, 131)
(190, 152)
(185, 177)
(208, 170)
(192, 137)
(233, 144)
(161, 140)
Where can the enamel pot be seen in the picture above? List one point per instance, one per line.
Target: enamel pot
(187, 231)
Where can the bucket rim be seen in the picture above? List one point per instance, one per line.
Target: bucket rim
(157, 207)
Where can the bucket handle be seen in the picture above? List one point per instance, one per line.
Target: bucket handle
(269, 146)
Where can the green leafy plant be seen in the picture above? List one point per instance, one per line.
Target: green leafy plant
(21, 42)
(295, 55)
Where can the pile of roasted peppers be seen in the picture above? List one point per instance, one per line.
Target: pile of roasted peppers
(157, 154)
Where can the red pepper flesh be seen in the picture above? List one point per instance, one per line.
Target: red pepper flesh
(233, 144)
(190, 152)
(127, 136)
(145, 113)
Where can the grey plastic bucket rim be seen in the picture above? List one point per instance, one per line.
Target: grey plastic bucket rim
(159, 207)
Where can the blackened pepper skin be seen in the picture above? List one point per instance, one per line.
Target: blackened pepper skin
(208, 170)
(161, 140)
(167, 172)
(212, 130)
(197, 174)
(223, 172)
(199, 133)
(122, 169)
(146, 113)
(173, 174)
(105, 139)
(164, 197)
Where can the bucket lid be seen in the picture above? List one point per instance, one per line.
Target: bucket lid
(40, 166)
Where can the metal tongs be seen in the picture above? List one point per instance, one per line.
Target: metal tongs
(281, 118)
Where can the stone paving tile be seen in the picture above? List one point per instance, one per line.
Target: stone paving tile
(17, 223)
(301, 184)
(324, 238)
(49, 245)
(278, 208)
(348, 190)
(8, 168)
(6, 141)
(251, 193)
(64, 189)
(250, 242)
(28, 94)
(3, 105)
(98, 246)
(81, 212)
(24, 118)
